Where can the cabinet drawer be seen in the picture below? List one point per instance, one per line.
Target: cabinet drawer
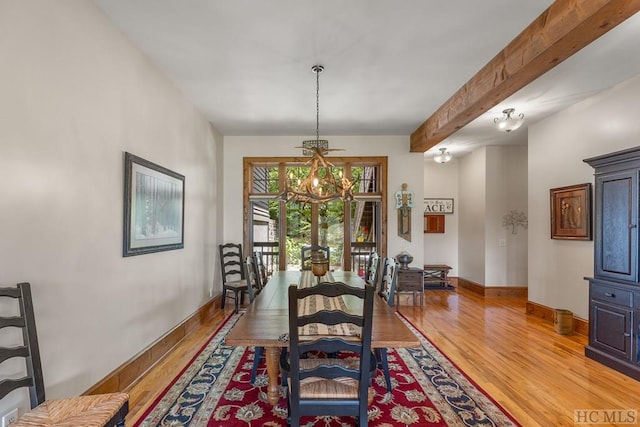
(612, 295)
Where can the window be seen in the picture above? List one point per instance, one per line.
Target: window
(353, 225)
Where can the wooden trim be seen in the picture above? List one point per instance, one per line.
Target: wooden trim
(384, 189)
(247, 232)
(560, 31)
(493, 291)
(580, 326)
(129, 372)
(282, 217)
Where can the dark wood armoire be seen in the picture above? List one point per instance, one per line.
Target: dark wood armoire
(614, 289)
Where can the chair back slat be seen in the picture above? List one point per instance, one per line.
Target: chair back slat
(7, 353)
(330, 317)
(329, 372)
(29, 350)
(328, 345)
(15, 321)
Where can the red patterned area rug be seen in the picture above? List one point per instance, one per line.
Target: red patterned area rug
(428, 390)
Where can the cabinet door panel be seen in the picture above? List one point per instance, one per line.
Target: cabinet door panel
(616, 228)
(611, 329)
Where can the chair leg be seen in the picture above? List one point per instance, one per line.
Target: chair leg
(236, 302)
(257, 356)
(224, 297)
(383, 364)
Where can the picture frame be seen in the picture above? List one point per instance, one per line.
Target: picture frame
(153, 207)
(438, 206)
(571, 212)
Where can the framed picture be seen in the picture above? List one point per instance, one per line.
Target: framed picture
(438, 206)
(153, 207)
(571, 212)
(434, 223)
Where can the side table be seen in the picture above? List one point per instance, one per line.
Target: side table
(410, 280)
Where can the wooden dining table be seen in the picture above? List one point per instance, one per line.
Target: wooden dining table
(266, 321)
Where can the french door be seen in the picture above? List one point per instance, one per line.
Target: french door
(350, 229)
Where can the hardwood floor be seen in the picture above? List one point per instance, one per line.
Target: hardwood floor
(539, 376)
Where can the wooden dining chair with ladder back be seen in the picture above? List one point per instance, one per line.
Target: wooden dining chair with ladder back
(100, 410)
(254, 287)
(324, 385)
(387, 292)
(233, 280)
(373, 269)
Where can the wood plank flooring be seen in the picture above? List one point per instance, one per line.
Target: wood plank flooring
(539, 376)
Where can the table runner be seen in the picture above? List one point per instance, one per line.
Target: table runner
(315, 303)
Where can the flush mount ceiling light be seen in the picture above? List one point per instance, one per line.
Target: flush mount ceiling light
(443, 157)
(322, 184)
(509, 121)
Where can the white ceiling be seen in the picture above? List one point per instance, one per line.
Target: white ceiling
(389, 64)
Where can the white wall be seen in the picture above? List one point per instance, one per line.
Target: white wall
(471, 216)
(506, 182)
(604, 123)
(403, 167)
(75, 96)
(441, 182)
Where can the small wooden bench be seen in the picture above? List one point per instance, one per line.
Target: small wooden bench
(436, 274)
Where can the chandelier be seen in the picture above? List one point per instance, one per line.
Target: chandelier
(323, 184)
(509, 121)
(443, 156)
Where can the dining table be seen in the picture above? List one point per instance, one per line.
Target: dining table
(266, 321)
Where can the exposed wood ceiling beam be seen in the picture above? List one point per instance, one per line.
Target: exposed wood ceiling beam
(560, 31)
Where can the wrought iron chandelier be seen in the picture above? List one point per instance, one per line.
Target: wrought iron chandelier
(322, 184)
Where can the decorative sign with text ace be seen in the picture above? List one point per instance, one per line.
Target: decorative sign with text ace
(438, 206)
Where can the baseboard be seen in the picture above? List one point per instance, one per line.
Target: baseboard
(580, 326)
(126, 374)
(493, 291)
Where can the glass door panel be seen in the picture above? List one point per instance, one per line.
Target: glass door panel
(265, 235)
(298, 232)
(331, 231)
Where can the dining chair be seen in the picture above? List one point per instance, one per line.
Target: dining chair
(387, 292)
(307, 250)
(262, 269)
(254, 287)
(323, 385)
(92, 410)
(233, 279)
(373, 269)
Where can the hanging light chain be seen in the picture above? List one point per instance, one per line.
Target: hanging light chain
(317, 69)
